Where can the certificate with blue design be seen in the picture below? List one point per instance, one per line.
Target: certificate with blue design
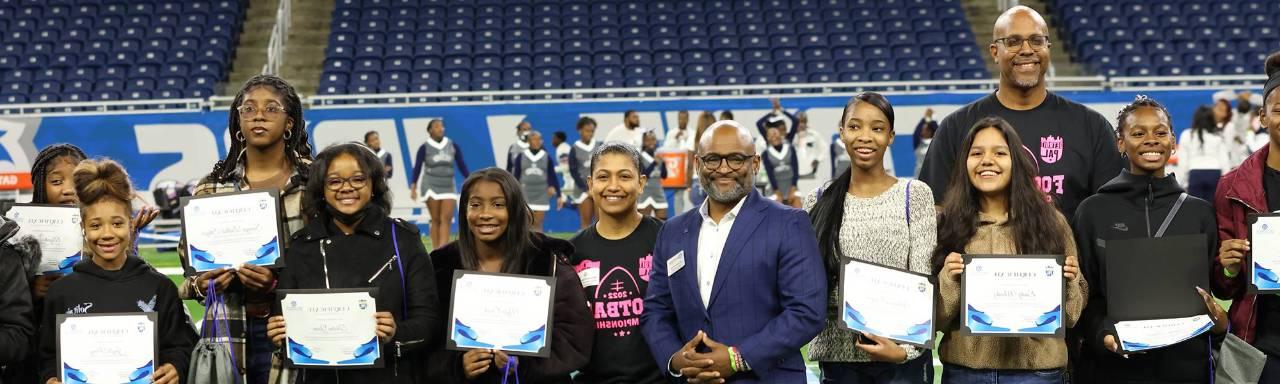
(1012, 295)
(1142, 335)
(502, 312)
(331, 328)
(1263, 263)
(56, 228)
(887, 302)
(106, 348)
(230, 229)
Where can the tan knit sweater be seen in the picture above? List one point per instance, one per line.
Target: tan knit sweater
(988, 352)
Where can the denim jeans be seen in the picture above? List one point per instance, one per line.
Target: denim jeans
(915, 371)
(955, 374)
(259, 361)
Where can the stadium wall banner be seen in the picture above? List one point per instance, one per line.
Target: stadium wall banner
(181, 147)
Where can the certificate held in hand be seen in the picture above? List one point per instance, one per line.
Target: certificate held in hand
(1012, 295)
(106, 348)
(502, 312)
(1151, 289)
(56, 228)
(331, 328)
(887, 302)
(230, 229)
(1263, 263)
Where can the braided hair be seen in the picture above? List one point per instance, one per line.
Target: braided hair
(1138, 102)
(45, 160)
(297, 146)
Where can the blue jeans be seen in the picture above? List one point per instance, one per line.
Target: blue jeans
(259, 359)
(915, 371)
(956, 374)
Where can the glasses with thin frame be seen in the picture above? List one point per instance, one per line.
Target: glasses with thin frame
(735, 161)
(336, 183)
(249, 111)
(1015, 42)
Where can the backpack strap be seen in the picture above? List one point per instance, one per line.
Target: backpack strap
(1172, 212)
(404, 291)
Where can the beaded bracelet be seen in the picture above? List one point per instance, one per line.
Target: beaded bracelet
(733, 360)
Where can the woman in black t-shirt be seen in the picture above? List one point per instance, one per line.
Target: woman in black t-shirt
(613, 258)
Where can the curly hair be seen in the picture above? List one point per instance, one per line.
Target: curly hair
(297, 146)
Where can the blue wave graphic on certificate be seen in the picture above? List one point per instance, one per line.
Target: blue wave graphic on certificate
(1265, 278)
(1135, 346)
(918, 333)
(365, 354)
(467, 337)
(980, 322)
(65, 266)
(140, 375)
(203, 260)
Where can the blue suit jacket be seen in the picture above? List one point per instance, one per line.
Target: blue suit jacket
(769, 297)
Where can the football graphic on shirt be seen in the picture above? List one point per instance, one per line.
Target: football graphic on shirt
(618, 303)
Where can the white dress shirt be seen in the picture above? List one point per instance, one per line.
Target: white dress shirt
(621, 133)
(711, 239)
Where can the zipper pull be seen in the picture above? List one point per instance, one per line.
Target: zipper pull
(384, 268)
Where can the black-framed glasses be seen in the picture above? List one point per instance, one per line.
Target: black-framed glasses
(1015, 42)
(248, 111)
(735, 161)
(335, 183)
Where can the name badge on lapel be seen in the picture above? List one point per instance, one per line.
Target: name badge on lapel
(675, 263)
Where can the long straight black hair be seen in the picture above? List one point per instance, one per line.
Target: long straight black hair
(828, 213)
(1032, 218)
(297, 147)
(516, 239)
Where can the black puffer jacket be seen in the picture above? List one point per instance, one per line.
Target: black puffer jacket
(572, 330)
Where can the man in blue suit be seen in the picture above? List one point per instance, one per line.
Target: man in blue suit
(736, 286)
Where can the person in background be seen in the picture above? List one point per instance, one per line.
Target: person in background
(497, 238)
(1204, 155)
(780, 164)
(695, 193)
(922, 136)
(778, 117)
(1258, 137)
(994, 207)
(726, 115)
(808, 146)
(578, 162)
(732, 294)
(680, 138)
(629, 132)
(536, 172)
(840, 160)
(1224, 121)
(653, 200)
(613, 258)
(868, 215)
(374, 142)
(559, 141)
(433, 179)
(521, 144)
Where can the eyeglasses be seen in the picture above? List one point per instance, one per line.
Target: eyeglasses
(736, 161)
(335, 183)
(1015, 42)
(247, 111)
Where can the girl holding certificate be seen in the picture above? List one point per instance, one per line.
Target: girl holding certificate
(1252, 188)
(349, 242)
(993, 206)
(269, 149)
(868, 215)
(112, 281)
(432, 179)
(497, 237)
(1139, 203)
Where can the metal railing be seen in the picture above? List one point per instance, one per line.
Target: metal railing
(1084, 83)
(279, 36)
(686, 92)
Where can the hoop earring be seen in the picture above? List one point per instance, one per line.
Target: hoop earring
(239, 136)
(288, 134)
